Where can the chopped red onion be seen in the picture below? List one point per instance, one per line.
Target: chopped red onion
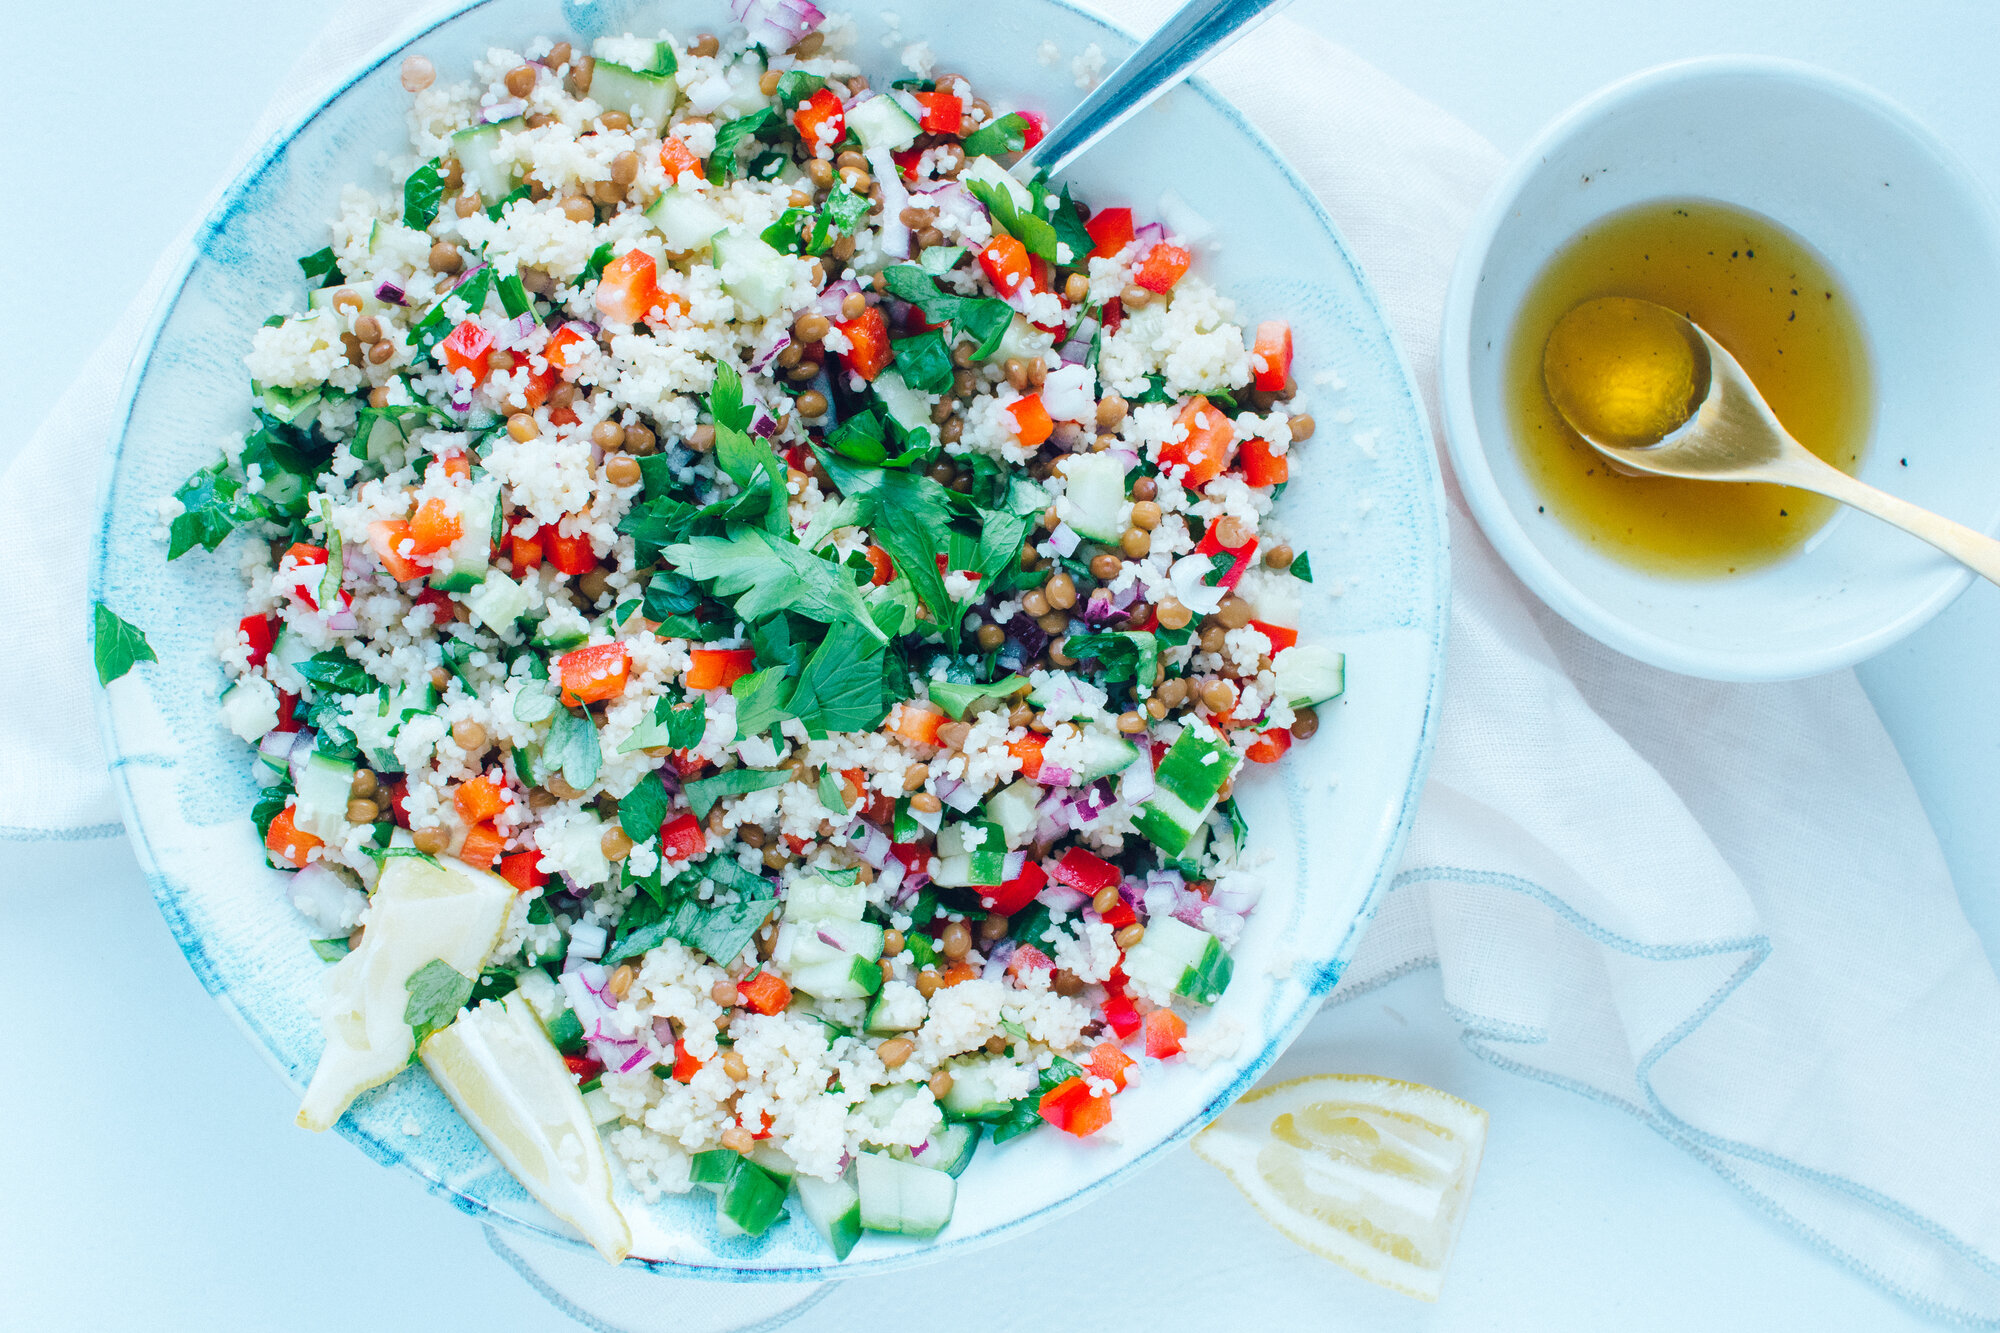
(777, 25)
(762, 423)
(828, 301)
(389, 291)
(1054, 775)
(523, 324)
(895, 198)
(342, 621)
(767, 358)
(996, 962)
(500, 111)
(663, 1032)
(1010, 869)
(1150, 234)
(1236, 894)
(1136, 783)
(1188, 226)
(872, 845)
(892, 878)
(829, 940)
(587, 940)
(1060, 897)
(1063, 540)
(1069, 393)
(958, 795)
(319, 892)
(302, 749)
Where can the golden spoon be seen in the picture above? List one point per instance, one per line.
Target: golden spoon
(1654, 393)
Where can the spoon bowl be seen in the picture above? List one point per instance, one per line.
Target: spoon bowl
(1623, 393)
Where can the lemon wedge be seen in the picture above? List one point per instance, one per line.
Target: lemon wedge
(506, 1078)
(421, 910)
(1372, 1173)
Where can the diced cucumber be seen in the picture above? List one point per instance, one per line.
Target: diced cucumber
(1093, 498)
(325, 784)
(816, 898)
(902, 1198)
(461, 566)
(552, 1007)
(834, 959)
(1101, 753)
(834, 1209)
(950, 1149)
(598, 1102)
(973, 1093)
(912, 410)
(643, 54)
(774, 1160)
(498, 601)
(756, 276)
(456, 580)
(748, 1198)
(1013, 809)
(647, 98)
(899, 1008)
(282, 666)
(971, 854)
(1022, 342)
(988, 172)
(1309, 673)
(882, 1105)
(477, 150)
(250, 708)
(881, 122)
(1187, 783)
(842, 978)
(686, 219)
(298, 406)
(1178, 957)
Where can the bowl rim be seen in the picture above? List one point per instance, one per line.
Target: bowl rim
(1326, 972)
(1469, 452)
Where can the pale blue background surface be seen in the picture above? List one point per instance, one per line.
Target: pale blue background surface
(149, 1173)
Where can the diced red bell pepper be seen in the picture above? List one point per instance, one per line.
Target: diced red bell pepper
(885, 568)
(434, 527)
(1086, 872)
(302, 553)
(719, 668)
(1006, 263)
(1073, 1108)
(1035, 128)
(478, 799)
(1122, 1015)
(765, 993)
(540, 384)
(687, 763)
(960, 971)
(1210, 544)
(391, 542)
(1025, 960)
(682, 838)
(571, 555)
(465, 348)
(1211, 438)
(1164, 1030)
(287, 841)
(518, 869)
(916, 723)
(525, 552)
(820, 121)
(1120, 916)
(944, 113)
(288, 710)
(398, 801)
(1032, 423)
(913, 855)
(583, 1068)
(1017, 892)
(1109, 1063)
(1162, 268)
(685, 1065)
(257, 632)
(455, 465)
(907, 160)
(1111, 229)
(1028, 750)
(1280, 637)
(1270, 747)
(1271, 355)
(1261, 467)
(629, 288)
(677, 159)
(482, 846)
(593, 674)
(868, 331)
(1114, 315)
(567, 348)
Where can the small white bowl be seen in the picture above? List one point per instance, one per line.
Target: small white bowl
(1907, 230)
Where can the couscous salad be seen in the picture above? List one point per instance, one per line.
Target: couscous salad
(754, 618)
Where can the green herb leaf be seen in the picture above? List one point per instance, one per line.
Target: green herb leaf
(722, 163)
(1008, 134)
(767, 574)
(334, 670)
(600, 259)
(703, 793)
(117, 644)
(840, 688)
(910, 517)
(829, 793)
(795, 86)
(941, 259)
(686, 721)
(499, 206)
(924, 362)
(270, 804)
(421, 193)
(333, 950)
(322, 269)
(761, 700)
(209, 511)
(1121, 655)
(957, 698)
(1302, 566)
(572, 746)
(720, 932)
(980, 319)
(514, 297)
(1024, 225)
(437, 992)
(642, 810)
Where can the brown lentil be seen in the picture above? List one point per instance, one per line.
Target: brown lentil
(1134, 296)
(1076, 288)
(418, 74)
(381, 352)
(1145, 489)
(1131, 723)
(892, 942)
(734, 1065)
(811, 403)
(1146, 514)
(940, 1084)
(1302, 427)
(1060, 591)
(928, 983)
(1234, 613)
(433, 840)
(957, 940)
(607, 435)
(1232, 532)
(520, 80)
(853, 305)
(915, 776)
(990, 636)
(777, 856)
(444, 257)
(992, 929)
(895, 1051)
(1213, 638)
(640, 440)
(1219, 695)
(621, 470)
(1035, 604)
(363, 784)
(522, 427)
(469, 735)
(1137, 543)
(1305, 722)
(953, 735)
(440, 679)
(926, 802)
(594, 584)
(616, 843)
(703, 438)
(558, 55)
(378, 396)
(1279, 557)
(1067, 983)
(363, 811)
(1173, 691)
(1129, 935)
(1111, 414)
(621, 981)
(1055, 622)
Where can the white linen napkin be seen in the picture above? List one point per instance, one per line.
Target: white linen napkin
(1718, 907)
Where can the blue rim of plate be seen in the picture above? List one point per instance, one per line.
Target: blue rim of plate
(1324, 978)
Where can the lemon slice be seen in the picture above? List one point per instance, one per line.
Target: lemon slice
(1372, 1173)
(506, 1078)
(421, 910)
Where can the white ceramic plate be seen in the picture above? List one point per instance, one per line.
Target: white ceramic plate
(1333, 816)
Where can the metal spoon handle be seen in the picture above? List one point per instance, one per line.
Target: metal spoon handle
(1196, 31)
(1975, 550)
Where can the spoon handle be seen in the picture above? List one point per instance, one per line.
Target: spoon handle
(1975, 550)
(1193, 33)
